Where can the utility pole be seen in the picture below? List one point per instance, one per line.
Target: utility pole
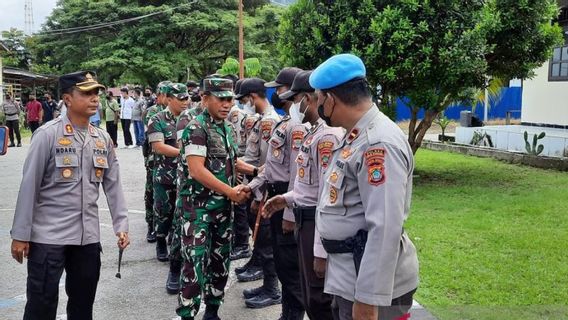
(241, 42)
(29, 18)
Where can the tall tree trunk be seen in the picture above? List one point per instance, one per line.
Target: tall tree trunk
(415, 140)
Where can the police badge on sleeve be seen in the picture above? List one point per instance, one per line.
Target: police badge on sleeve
(375, 160)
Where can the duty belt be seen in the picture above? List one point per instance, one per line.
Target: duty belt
(354, 245)
(276, 188)
(302, 214)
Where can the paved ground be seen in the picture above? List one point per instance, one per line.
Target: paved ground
(140, 294)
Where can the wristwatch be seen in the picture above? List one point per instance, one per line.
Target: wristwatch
(255, 172)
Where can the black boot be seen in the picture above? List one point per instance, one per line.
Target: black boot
(151, 235)
(211, 312)
(240, 252)
(250, 293)
(173, 285)
(253, 273)
(269, 296)
(295, 314)
(252, 261)
(11, 145)
(161, 249)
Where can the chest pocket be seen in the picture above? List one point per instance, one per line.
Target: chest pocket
(304, 174)
(253, 141)
(67, 166)
(334, 193)
(100, 165)
(276, 147)
(216, 145)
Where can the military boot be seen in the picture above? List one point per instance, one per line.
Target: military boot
(252, 261)
(161, 249)
(240, 252)
(253, 273)
(173, 285)
(211, 312)
(250, 293)
(269, 296)
(151, 235)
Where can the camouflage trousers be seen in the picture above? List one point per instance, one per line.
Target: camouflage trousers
(164, 207)
(206, 244)
(149, 197)
(175, 246)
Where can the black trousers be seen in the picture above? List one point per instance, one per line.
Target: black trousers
(398, 310)
(240, 226)
(46, 263)
(34, 125)
(285, 251)
(316, 302)
(126, 131)
(112, 130)
(262, 250)
(14, 127)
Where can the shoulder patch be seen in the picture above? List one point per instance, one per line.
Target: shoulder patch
(324, 150)
(375, 160)
(266, 129)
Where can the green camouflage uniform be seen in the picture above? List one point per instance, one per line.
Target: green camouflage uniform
(207, 215)
(162, 127)
(183, 120)
(149, 156)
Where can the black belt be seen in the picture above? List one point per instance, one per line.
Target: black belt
(303, 214)
(354, 245)
(276, 188)
(11, 114)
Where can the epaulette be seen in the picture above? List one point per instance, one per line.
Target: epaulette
(373, 133)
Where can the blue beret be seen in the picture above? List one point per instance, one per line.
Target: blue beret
(337, 70)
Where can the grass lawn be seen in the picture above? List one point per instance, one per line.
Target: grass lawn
(492, 238)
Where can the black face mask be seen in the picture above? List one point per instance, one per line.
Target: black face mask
(322, 114)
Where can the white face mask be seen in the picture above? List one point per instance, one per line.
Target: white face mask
(248, 108)
(295, 113)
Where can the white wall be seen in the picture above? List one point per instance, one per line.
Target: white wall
(543, 101)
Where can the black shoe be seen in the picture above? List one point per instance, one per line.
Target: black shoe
(250, 263)
(19, 144)
(211, 312)
(151, 235)
(187, 318)
(251, 293)
(11, 145)
(251, 274)
(263, 300)
(240, 252)
(172, 285)
(161, 249)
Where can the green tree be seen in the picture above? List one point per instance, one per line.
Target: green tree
(189, 39)
(18, 56)
(433, 52)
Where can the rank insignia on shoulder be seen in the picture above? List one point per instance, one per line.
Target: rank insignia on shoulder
(67, 173)
(375, 160)
(309, 140)
(324, 149)
(64, 141)
(353, 135)
(69, 128)
(332, 195)
(100, 144)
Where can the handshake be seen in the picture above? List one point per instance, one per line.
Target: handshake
(240, 194)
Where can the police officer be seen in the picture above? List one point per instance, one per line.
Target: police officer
(372, 269)
(11, 110)
(255, 154)
(56, 223)
(162, 137)
(208, 143)
(313, 159)
(284, 146)
(147, 114)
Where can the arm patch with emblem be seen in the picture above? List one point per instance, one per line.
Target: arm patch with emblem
(375, 161)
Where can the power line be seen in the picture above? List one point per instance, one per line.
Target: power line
(105, 24)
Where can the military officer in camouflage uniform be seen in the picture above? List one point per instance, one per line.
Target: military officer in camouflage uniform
(162, 137)
(372, 268)
(312, 160)
(147, 114)
(56, 222)
(284, 145)
(208, 144)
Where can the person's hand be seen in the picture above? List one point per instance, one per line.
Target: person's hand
(242, 188)
(123, 240)
(288, 226)
(20, 250)
(240, 194)
(363, 311)
(273, 205)
(320, 265)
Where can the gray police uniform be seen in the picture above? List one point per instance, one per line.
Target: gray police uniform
(258, 136)
(278, 173)
(57, 213)
(368, 187)
(312, 160)
(236, 119)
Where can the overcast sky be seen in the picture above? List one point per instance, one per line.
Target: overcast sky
(12, 14)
